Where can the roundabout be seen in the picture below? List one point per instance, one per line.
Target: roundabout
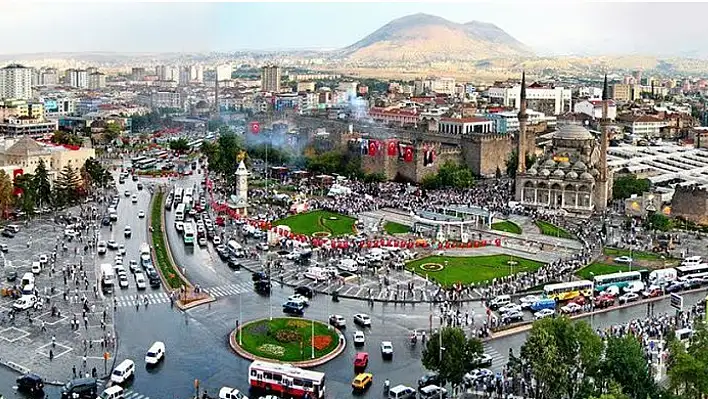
(431, 267)
(293, 340)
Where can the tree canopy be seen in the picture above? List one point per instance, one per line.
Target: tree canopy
(659, 221)
(180, 145)
(457, 356)
(450, 175)
(626, 186)
(688, 367)
(62, 137)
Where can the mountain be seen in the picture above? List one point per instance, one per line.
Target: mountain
(426, 38)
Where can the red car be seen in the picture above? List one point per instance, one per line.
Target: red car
(654, 292)
(361, 360)
(604, 301)
(220, 221)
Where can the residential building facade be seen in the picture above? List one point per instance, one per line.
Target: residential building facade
(16, 82)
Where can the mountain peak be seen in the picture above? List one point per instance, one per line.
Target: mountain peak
(425, 37)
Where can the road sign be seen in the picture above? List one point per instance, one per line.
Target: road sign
(677, 301)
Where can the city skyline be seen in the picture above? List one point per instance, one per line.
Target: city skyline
(548, 28)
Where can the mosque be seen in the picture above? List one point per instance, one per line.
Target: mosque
(572, 174)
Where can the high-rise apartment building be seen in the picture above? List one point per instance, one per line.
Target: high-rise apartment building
(96, 81)
(185, 75)
(48, 77)
(16, 82)
(76, 78)
(224, 72)
(137, 73)
(270, 78)
(196, 73)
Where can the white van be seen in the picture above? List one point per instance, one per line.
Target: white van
(231, 393)
(144, 249)
(155, 353)
(107, 274)
(317, 273)
(662, 276)
(234, 247)
(501, 300)
(114, 392)
(27, 279)
(348, 265)
(692, 261)
(401, 392)
(28, 289)
(124, 371)
(101, 247)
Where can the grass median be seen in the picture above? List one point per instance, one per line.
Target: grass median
(309, 223)
(396, 228)
(549, 229)
(507, 226)
(167, 268)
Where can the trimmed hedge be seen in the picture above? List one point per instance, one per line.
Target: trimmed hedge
(158, 241)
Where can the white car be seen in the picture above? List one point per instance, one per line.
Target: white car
(123, 280)
(571, 308)
(155, 353)
(512, 307)
(628, 297)
(623, 259)
(359, 338)
(179, 226)
(25, 302)
(202, 241)
(543, 313)
(231, 393)
(292, 255)
(135, 199)
(386, 349)
(43, 259)
(141, 214)
(529, 300)
(262, 246)
(101, 248)
(475, 375)
(112, 244)
(216, 240)
(121, 249)
(337, 321)
(299, 298)
(362, 319)
(140, 281)
(36, 268)
(127, 193)
(127, 232)
(70, 233)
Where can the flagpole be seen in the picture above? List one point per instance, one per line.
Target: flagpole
(312, 337)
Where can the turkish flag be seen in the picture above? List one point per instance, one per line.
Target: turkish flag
(392, 148)
(372, 147)
(255, 127)
(408, 154)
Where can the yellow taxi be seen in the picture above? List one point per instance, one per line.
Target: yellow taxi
(362, 381)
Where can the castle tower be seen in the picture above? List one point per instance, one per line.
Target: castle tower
(523, 119)
(242, 182)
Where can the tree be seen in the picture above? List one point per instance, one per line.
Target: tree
(6, 190)
(375, 178)
(688, 367)
(625, 365)
(659, 221)
(67, 185)
(41, 185)
(62, 137)
(25, 199)
(457, 356)
(111, 132)
(180, 145)
(512, 163)
(563, 357)
(450, 175)
(94, 174)
(626, 186)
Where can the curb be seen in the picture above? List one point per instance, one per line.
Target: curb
(305, 363)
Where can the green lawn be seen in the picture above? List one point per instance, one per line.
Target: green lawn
(311, 222)
(472, 269)
(509, 227)
(396, 228)
(636, 255)
(598, 269)
(167, 269)
(553, 230)
(282, 339)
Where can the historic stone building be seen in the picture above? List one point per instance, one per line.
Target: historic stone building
(691, 203)
(572, 174)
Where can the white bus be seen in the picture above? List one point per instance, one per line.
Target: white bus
(179, 192)
(135, 161)
(286, 379)
(569, 290)
(188, 234)
(684, 272)
(107, 275)
(179, 213)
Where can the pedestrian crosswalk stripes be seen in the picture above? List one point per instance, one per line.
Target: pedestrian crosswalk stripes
(128, 393)
(162, 297)
(498, 360)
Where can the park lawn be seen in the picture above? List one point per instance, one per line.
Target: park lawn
(598, 269)
(167, 269)
(396, 228)
(263, 332)
(309, 223)
(509, 227)
(472, 269)
(549, 229)
(640, 255)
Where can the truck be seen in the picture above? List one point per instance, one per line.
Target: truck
(108, 277)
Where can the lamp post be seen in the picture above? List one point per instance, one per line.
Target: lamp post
(440, 354)
(239, 318)
(312, 338)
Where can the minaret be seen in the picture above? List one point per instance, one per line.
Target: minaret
(523, 118)
(216, 94)
(604, 122)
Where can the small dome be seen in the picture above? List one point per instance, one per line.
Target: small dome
(558, 173)
(532, 172)
(594, 172)
(202, 104)
(572, 175)
(549, 163)
(573, 132)
(564, 164)
(580, 166)
(545, 172)
(586, 176)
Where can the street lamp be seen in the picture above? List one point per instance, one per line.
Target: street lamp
(239, 318)
(312, 338)
(440, 355)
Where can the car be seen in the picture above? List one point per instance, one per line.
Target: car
(127, 193)
(134, 266)
(216, 240)
(140, 282)
(140, 186)
(262, 287)
(155, 354)
(387, 349)
(101, 247)
(675, 286)
(544, 313)
(141, 214)
(8, 233)
(262, 246)
(233, 263)
(429, 378)
(258, 276)
(112, 244)
(529, 300)
(512, 307)
(623, 259)
(123, 280)
(604, 301)
(433, 392)
(106, 221)
(135, 178)
(482, 360)
(202, 242)
(475, 375)
(25, 302)
(571, 308)
(628, 297)
(294, 308)
(36, 268)
(127, 232)
(691, 283)
(361, 360)
(337, 321)
(304, 291)
(11, 275)
(362, 319)
(179, 226)
(30, 382)
(231, 393)
(359, 338)
(362, 381)
(134, 199)
(653, 292)
(512, 316)
(121, 249)
(298, 297)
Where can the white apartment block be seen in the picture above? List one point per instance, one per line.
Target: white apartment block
(96, 81)
(642, 126)
(224, 72)
(16, 82)
(77, 78)
(166, 99)
(549, 100)
(593, 108)
(444, 86)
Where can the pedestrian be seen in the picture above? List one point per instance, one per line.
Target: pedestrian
(73, 369)
(51, 355)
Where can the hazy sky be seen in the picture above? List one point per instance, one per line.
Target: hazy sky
(548, 27)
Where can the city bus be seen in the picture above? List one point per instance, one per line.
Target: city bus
(286, 380)
(179, 212)
(179, 192)
(189, 192)
(161, 154)
(147, 164)
(683, 272)
(136, 160)
(188, 234)
(566, 291)
(619, 280)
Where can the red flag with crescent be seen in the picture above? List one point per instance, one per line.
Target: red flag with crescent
(392, 152)
(408, 154)
(255, 127)
(372, 147)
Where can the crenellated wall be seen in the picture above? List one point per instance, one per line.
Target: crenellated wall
(690, 203)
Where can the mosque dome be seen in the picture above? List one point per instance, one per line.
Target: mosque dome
(572, 175)
(586, 176)
(532, 172)
(564, 164)
(549, 163)
(545, 172)
(594, 172)
(558, 173)
(580, 165)
(573, 132)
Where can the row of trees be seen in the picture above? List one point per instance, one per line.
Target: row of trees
(625, 186)
(450, 175)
